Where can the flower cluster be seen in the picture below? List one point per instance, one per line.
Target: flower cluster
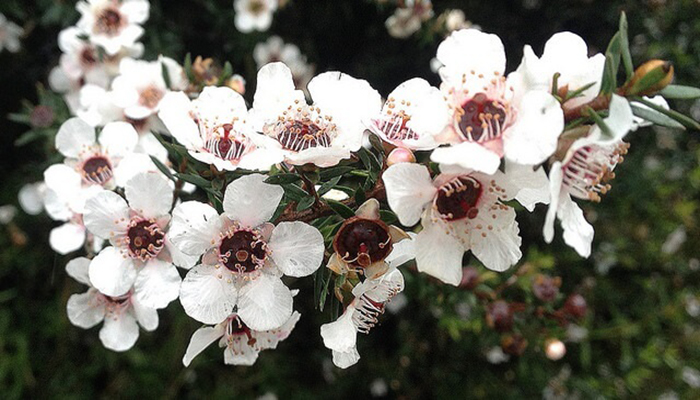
(264, 181)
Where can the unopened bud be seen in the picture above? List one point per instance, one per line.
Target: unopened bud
(499, 316)
(576, 306)
(546, 288)
(554, 349)
(470, 278)
(514, 345)
(41, 117)
(236, 83)
(649, 78)
(400, 155)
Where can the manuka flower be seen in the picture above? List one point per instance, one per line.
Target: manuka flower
(113, 24)
(9, 35)
(122, 315)
(216, 129)
(322, 133)
(583, 173)
(461, 210)
(254, 14)
(241, 344)
(275, 49)
(492, 117)
(413, 115)
(141, 257)
(244, 256)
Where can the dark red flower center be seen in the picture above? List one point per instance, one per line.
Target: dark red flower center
(361, 242)
(109, 22)
(396, 129)
(458, 198)
(97, 170)
(146, 239)
(481, 119)
(226, 147)
(242, 251)
(88, 58)
(298, 135)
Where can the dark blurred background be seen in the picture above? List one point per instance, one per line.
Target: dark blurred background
(641, 284)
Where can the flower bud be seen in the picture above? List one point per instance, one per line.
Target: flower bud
(649, 78)
(576, 306)
(499, 316)
(514, 345)
(236, 83)
(41, 117)
(470, 278)
(400, 155)
(546, 288)
(554, 349)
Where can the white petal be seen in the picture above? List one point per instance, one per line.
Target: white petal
(527, 185)
(206, 295)
(402, 251)
(147, 317)
(534, 136)
(457, 52)
(297, 248)
(620, 121)
(131, 165)
(497, 245)
(119, 332)
(74, 136)
(555, 181)
(136, 11)
(438, 253)
(244, 355)
(175, 113)
(578, 233)
(408, 190)
(62, 179)
(106, 214)
(112, 273)
(200, 340)
(346, 359)
(31, 198)
(77, 268)
(468, 155)
(180, 259)
(157, 284)
(194, 227)
(274, 92)
(265, 303)
(340, 335)
(67, 238)
(251, 201)
(118, 138)
(149, 194)
(85, 310)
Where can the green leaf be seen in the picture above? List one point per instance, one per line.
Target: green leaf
(294, 192)
(283, 178)
(188, 68)
(305, 203)
(360, 196)
(340, 208)
(162, 168)
(604, 128)
(388, 216)
(195, 180)
(612, 62)
(166, 75)
(555, 84)
(369, 160)
(625, 47)
(333, 172)
(579, 91)
(19, 118)
(680, 92)
(28, 137)
(228, 72)
(682, 119)
(655, 117)
(326, 187)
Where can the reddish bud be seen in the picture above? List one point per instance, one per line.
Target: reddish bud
(576, 306)
(41, 117)
(514, 345)
(499, 316)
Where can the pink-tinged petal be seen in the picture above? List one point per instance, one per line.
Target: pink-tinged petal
(118, 138)
(556, 178)
(438, 253)
(74, 137)
(106, 215)
(157, 284)
(149, 194)
(146, 316)
(468, 155)
(251, 201)
(85, 310)
(77, 269)
(194, 228)
(207, 294)
(297, 248)
(67, 238)
(409, 190)
(120, 332)
(201, 339)
(240, 353)
(497, 243)
(340, 335)
(265, 303)
(578, 233)
(534, 136)
(112, 273)
(346, 359)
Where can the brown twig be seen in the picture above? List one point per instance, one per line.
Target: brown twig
(602, 102)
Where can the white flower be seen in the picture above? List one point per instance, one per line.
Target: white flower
(80, 60)
(413, 115)
(241, 344)
(9, 35)
(142, 255)
(216, 129)
(567, 54)
(407, 20)
(7, 214)
(141, 86)
(322, 133)
(113, 24)
(371, 297)
(120, 314)
(492, 116)
(31, 197)
(274, 50)
(583, 173)
(254, 14)
(461, 210)
(244, 255)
